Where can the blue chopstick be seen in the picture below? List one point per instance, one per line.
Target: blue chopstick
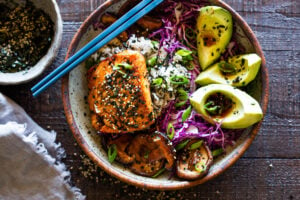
(114, 34)
(92, 43)
(109, 33)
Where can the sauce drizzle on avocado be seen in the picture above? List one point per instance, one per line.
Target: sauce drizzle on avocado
(218, 105)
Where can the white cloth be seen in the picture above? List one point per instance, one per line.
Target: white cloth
(30, 166)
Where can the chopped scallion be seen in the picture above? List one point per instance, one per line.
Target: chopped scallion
(196, 145)
(183, 95)
(186, 56)
(155, 43)
(186, 113)
(151, 62)
(210, 108)
(217, 152)
(227, 68)
(179, 80)
(184, 52)
(157, 81)
(181, 145)
(180, 103)
(125, 66)
(190, 66)
(200, 167)
(159, 173)
(146, 156)
(112, 153)
(170, 131)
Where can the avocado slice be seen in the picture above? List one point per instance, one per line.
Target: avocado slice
(244, 111)
(214, 31)
(241, 70)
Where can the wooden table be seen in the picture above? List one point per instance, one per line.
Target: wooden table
(270, 169)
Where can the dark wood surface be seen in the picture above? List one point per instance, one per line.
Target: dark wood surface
(270, 169)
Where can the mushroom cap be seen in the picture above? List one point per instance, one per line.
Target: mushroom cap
(151, 152)
(122, 144)
(189, 158)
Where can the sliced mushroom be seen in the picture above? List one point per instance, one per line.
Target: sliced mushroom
(149, 23)
(151, 153)
(194, 161)
(122, 144)
(108, 19)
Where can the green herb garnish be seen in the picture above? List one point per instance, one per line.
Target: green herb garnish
(227, 68)
(159, 173)
(180, 104)
(170, 131)
(184, 53)
(155, 43)
(217, 152)
(200, 167)
(125, 66)
(151, 62)
(196, 145)
(186, 113)
(211, 108)
(181, 145)
(112, 153)
(157, 81)
(190, 66)
(186, 56)
(146, 156)
(179, 80)
(183, 95)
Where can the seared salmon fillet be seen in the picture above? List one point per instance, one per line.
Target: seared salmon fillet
(119, 94)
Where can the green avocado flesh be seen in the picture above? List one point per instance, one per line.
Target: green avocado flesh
(214, 31)
(244, 69)
(245, 110)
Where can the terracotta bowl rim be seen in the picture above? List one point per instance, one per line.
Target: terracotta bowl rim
(185, 184)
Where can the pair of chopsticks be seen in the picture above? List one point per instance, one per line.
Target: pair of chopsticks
(103, 38)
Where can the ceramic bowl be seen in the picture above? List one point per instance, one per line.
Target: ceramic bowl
(74, 92)
(51, 8)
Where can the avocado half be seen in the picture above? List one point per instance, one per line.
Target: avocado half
(214, 31)
(245, 111)
(246, 66)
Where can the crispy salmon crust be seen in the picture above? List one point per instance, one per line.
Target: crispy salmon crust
(120, 98)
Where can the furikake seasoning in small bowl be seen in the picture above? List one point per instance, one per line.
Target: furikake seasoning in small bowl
(30, 34)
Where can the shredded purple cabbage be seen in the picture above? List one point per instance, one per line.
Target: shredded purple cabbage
(196, 127)
(179, 21)
(178, 32)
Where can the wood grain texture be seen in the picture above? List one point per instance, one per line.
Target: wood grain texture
(270, 167)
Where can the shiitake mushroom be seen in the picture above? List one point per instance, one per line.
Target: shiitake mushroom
(145, 154)
(108, 19)
(150, 23)
(194, 160)
(122, 144)
(151, 153)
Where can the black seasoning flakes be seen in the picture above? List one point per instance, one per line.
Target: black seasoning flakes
(26, 34)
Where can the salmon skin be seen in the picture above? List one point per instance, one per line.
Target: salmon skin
(119, 96)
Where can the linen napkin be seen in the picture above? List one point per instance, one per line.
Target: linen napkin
(30, 166)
